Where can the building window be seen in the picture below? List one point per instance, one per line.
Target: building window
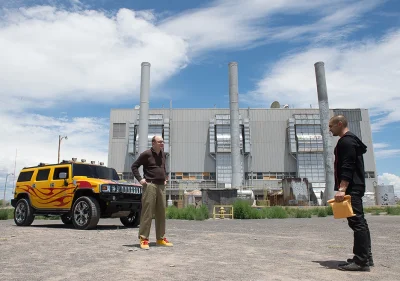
(369, 175)
(119, 130)
(193, 176)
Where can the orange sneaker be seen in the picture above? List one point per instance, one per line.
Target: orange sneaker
(144, 244)
(164, 242)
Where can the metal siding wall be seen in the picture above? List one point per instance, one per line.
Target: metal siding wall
(353, 117)
(190, 151)
(118, 154)
(269, 140)
(189, 136)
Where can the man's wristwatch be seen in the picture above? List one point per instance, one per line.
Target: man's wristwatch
(342, 189)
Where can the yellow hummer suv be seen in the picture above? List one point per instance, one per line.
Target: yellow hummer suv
(81, 193)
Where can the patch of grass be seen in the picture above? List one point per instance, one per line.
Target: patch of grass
(47, 218)
(322, 212)
(394, 211)
(276, 212)
(172, 212)
(329, 211)
(299, 213)
(376, 212)
(201, 213)
(3, 215)
(374, 209)
(6, 214)
(187, 213)
(315, 210)
(243, 210)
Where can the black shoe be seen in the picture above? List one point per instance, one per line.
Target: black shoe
(370, 261)
(354, 267)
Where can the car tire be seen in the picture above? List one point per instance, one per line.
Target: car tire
(66, 219)
(132, 220)
(85, 213)
(23, 213)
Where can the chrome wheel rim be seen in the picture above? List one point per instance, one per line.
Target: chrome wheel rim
(81, 213)
(20, 212)
(131, 218)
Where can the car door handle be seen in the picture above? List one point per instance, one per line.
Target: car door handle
(52, 184)
(34, 185)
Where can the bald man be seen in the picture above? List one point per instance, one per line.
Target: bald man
(153, 197)
(350, 179)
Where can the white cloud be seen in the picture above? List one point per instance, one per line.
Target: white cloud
(35, 137)
(383, 150)
(386, 153)
(52, 56)
(390, 179)
(60, 55)
(359, 75)
(244, 24)
(341, 16)
(380, 145)
(57, 54)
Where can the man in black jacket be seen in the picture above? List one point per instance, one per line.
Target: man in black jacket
(350, 179)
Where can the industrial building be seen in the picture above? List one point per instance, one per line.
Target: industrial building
(275, 143)
(257, 149)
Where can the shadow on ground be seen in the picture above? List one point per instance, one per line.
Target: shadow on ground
(151, 244)
(332, 264)
(66, 226)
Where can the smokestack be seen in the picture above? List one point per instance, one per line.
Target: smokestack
(234, 120)
(326, 138)
(144, 107)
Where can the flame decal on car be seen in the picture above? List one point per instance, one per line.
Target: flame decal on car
(50, 197)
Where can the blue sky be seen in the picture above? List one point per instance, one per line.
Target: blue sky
(65, 64)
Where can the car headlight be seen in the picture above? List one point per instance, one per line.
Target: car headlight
(105, 188)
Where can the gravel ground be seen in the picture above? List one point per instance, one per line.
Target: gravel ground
(288, 249)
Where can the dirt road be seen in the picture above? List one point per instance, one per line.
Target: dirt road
(289, 249)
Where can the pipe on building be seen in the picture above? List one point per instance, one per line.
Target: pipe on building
(326, 137)
(247, 193)
(234, 124)
(144, 107)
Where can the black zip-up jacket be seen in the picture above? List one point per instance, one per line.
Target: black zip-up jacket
(349, 162)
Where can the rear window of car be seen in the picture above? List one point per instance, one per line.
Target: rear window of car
(25, 176)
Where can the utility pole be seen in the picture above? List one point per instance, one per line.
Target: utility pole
(5, 188)
(59, 145)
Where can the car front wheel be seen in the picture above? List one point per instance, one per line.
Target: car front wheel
(85, 213)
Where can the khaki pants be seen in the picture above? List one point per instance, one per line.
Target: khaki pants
(153, 202)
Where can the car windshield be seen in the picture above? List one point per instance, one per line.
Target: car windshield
(93, 171)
